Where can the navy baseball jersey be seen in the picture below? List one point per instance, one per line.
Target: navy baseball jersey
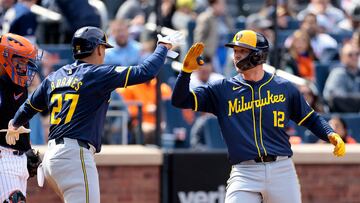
(78, 95)
(253, 116)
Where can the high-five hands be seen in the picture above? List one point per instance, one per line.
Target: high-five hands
(174, 39)
(339, 144)
(12, 133)
(192, 60)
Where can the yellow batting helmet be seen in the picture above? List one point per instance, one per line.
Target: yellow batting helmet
(254, 41)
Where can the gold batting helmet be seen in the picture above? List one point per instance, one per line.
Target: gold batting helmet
(254, 41)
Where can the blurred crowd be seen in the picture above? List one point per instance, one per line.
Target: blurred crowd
(316, 40)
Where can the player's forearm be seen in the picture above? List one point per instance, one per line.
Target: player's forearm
(182, 97)
(23, 115)
(149, 68)
(318, 125)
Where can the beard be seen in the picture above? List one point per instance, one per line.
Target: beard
(121, 43)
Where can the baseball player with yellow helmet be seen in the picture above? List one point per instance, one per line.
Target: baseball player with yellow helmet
(253, 109)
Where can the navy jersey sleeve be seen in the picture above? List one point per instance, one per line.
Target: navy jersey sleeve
(113, 77)
(304, 115)
(199, 99)
(36, 103)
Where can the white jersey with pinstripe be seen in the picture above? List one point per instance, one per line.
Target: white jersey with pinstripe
(13, 173)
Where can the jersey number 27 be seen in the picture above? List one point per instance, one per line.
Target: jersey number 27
(58, 98)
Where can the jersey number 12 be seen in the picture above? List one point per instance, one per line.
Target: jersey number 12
(58, 98)
(279, 117)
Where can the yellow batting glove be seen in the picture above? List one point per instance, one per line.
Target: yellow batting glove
(339, 144)
(192, 59)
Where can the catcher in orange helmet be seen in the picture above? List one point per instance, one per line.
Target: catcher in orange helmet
(17, 68)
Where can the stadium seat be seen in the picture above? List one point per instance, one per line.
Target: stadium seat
(342, 36)
(213, 137)
(352, 121)
(293, 24)
(321, 73)
(176, 123)
(240, 23)
(282, 35)
(353, 124)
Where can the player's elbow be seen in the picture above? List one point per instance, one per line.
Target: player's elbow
(177, 101)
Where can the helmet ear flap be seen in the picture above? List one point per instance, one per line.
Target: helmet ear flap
(255, 57)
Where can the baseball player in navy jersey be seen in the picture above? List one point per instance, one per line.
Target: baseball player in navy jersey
(253, 109)
(77, 96)
(17, 69)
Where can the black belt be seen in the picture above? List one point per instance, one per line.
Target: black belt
(81, 143)
(18, 153)
(267, 158)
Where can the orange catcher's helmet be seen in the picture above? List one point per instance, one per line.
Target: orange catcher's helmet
(18, 57)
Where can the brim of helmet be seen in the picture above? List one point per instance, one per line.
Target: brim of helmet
(107, 45)
(233, 44)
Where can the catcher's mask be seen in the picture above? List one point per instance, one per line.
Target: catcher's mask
(258, 45)
(18, 57)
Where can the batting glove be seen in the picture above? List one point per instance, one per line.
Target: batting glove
(192, 60)
(339, 144)
(12, 133)
(175, 39)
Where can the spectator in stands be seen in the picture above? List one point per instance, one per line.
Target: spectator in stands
(342, 87)
(340, 127)
(183, 14)
(299, 58)
(102, 11)
(205, 74)
(77, 13)
(212, 28)
(137, 13)
(284, 16)
(320, 42)
(312, 98)
(325, 10)
(283, 12)
(259, 23)
(126, 51)
(167, 9)
(18, 19)
(145, 93)
(352, 22)
(4, 6)
(355, 39)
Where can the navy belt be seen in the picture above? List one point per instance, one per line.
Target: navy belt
(81, 143)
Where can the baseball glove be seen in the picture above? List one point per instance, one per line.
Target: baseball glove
(33, 161)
